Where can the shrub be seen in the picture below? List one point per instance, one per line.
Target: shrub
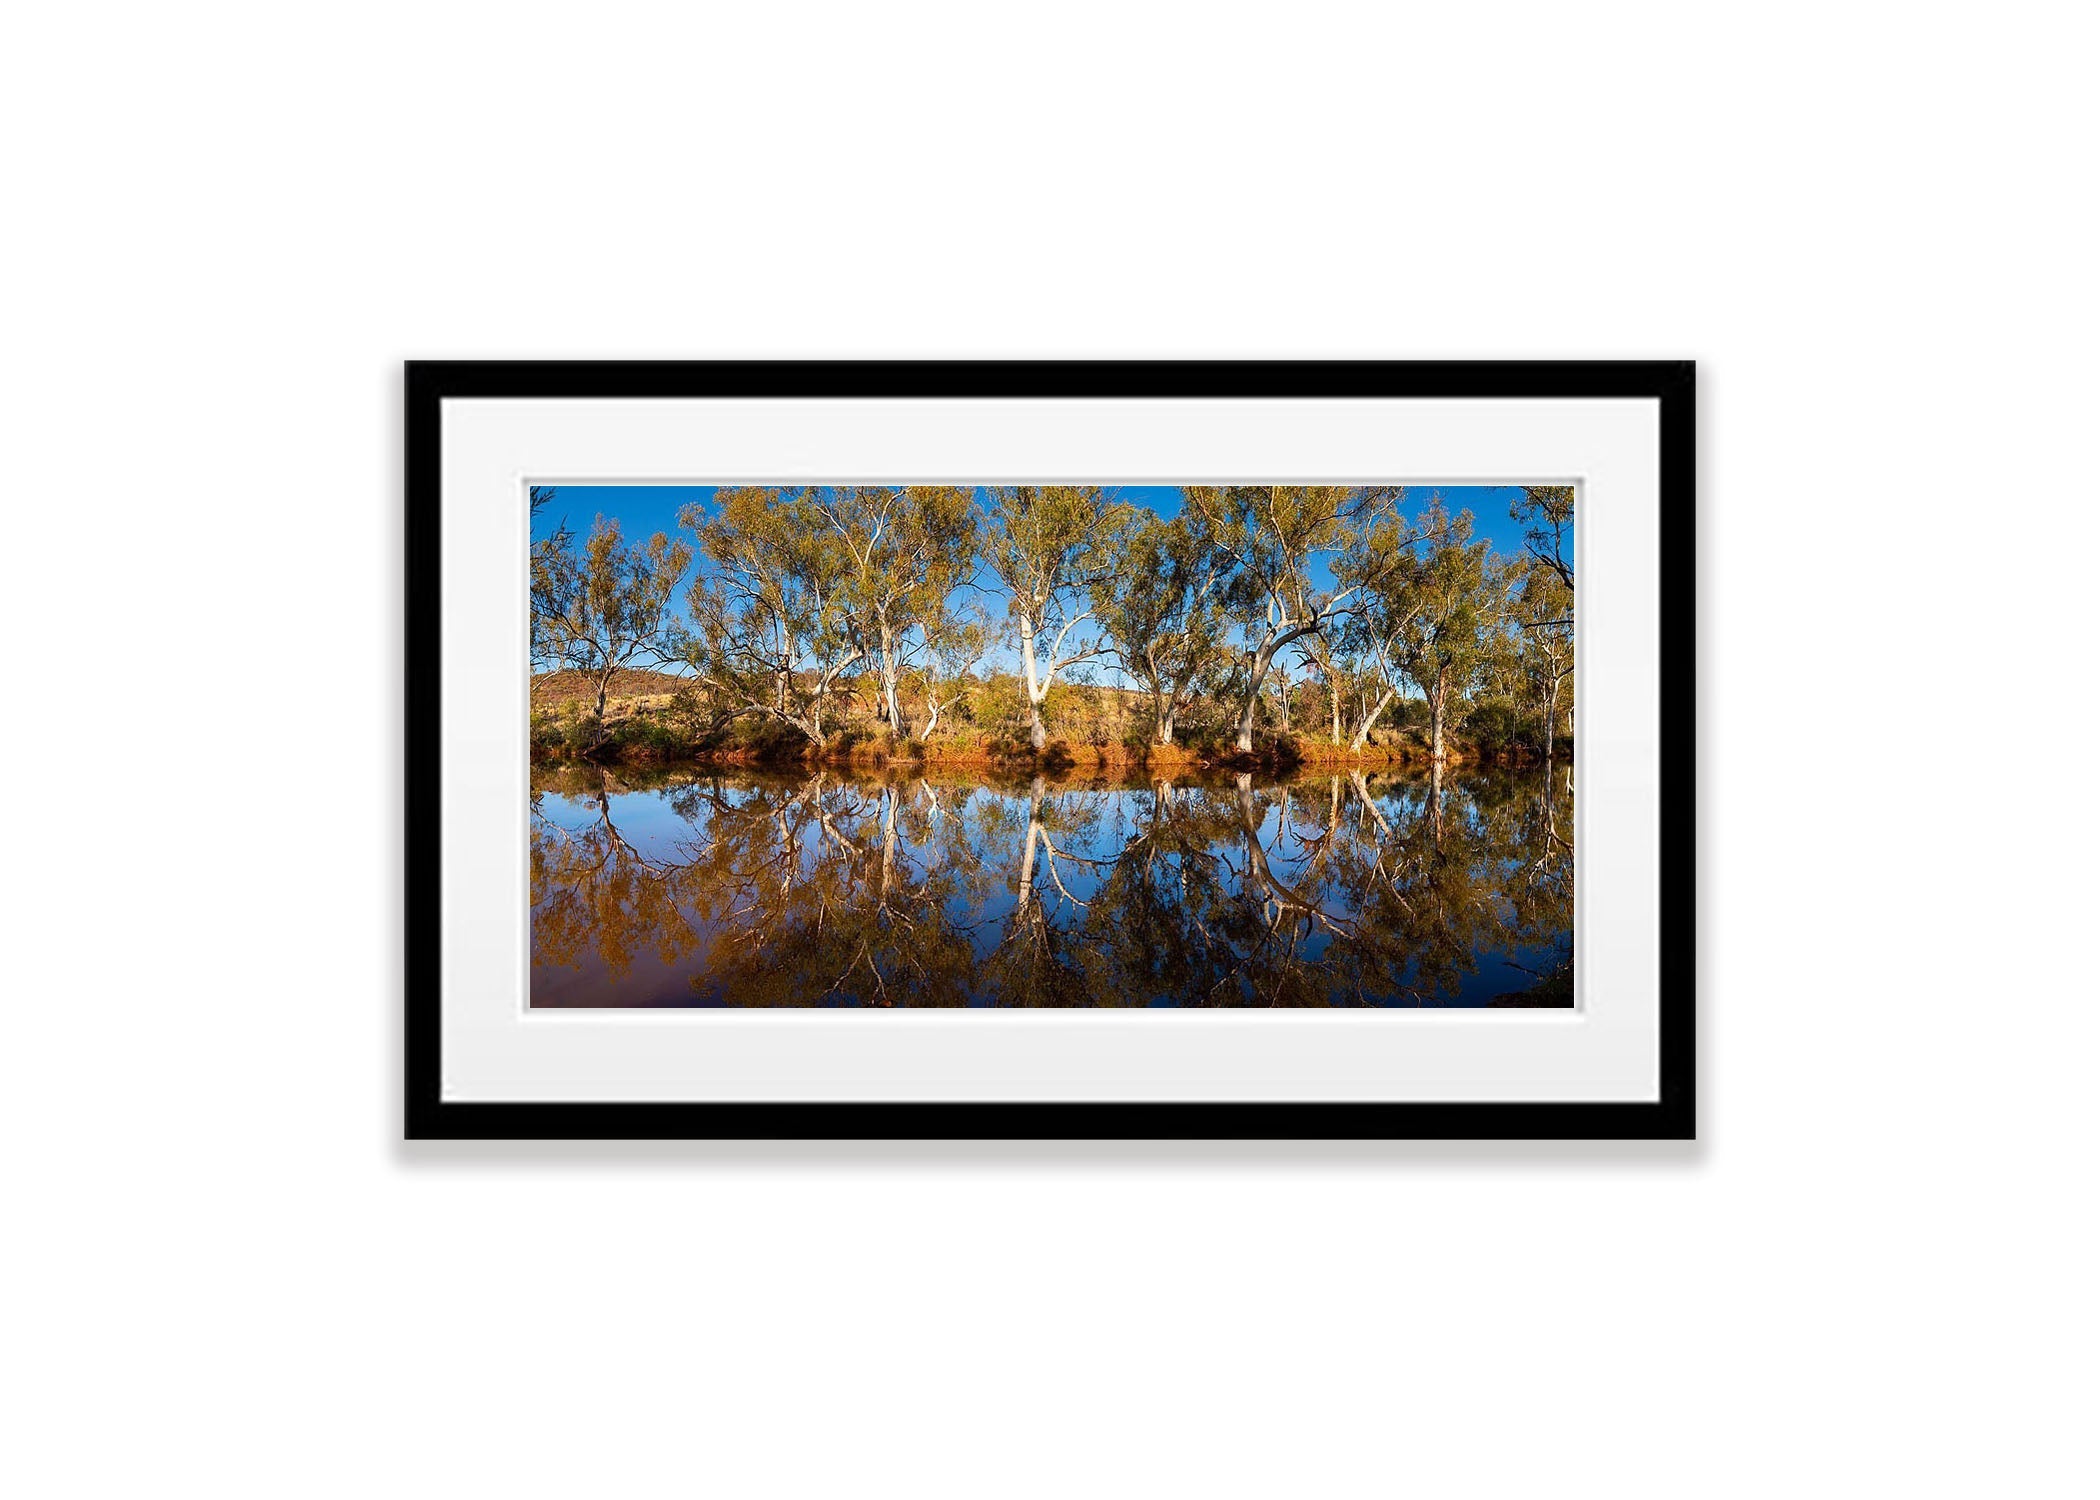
(1493, 726)
(1409, 713)
(1000, 704)
(651, 738)
(563, 732)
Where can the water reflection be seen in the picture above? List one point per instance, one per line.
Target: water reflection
(903, 888)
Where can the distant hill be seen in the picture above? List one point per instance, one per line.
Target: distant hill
(552, 689)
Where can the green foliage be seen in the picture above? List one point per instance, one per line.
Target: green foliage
(1001, 704)
(1048, 543)
(651, 737)
(568, 731)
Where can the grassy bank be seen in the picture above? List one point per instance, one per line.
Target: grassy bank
(654, 718)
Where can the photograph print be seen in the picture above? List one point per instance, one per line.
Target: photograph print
(1281, 745)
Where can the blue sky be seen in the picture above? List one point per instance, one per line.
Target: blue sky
(644, 509)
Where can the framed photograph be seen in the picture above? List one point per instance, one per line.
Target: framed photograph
(1049, 750)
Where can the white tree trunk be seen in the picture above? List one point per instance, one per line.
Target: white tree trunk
(1037, 737)
(889, 684)
(1035, 831)
(1363, 730)
(1259, 672)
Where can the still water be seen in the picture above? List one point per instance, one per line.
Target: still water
(847, 887)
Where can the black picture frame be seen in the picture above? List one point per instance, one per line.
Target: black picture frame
(428, 1116)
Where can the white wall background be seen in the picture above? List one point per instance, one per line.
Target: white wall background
(227, 224)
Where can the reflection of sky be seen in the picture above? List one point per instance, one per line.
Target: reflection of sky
(643, 510)
(1094, 824)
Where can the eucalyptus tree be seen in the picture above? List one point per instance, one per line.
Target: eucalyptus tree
(1548, 514)
(539, 497)
(1346, 661)
(1163, 608)
(1361, 655)
(606, 607)
(552, 580)
(907, 549)
(1281, 666)
(954, 642)
(1050, 546)
(770, 634)
(1387, 606)
(1320, 656)
(553, 575)
(1544, 609)
(1275, 536)
(1546, 605)
(1450, 615)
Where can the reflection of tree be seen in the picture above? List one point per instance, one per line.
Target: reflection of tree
(594, 891)
(1038, 962)
(1312, 894)
(1428, 893)
(1226, 898)
(1155, 928)
(1255, 893)
(898, 890)
(855, 901)
(1538, 881)
(1289, 901)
